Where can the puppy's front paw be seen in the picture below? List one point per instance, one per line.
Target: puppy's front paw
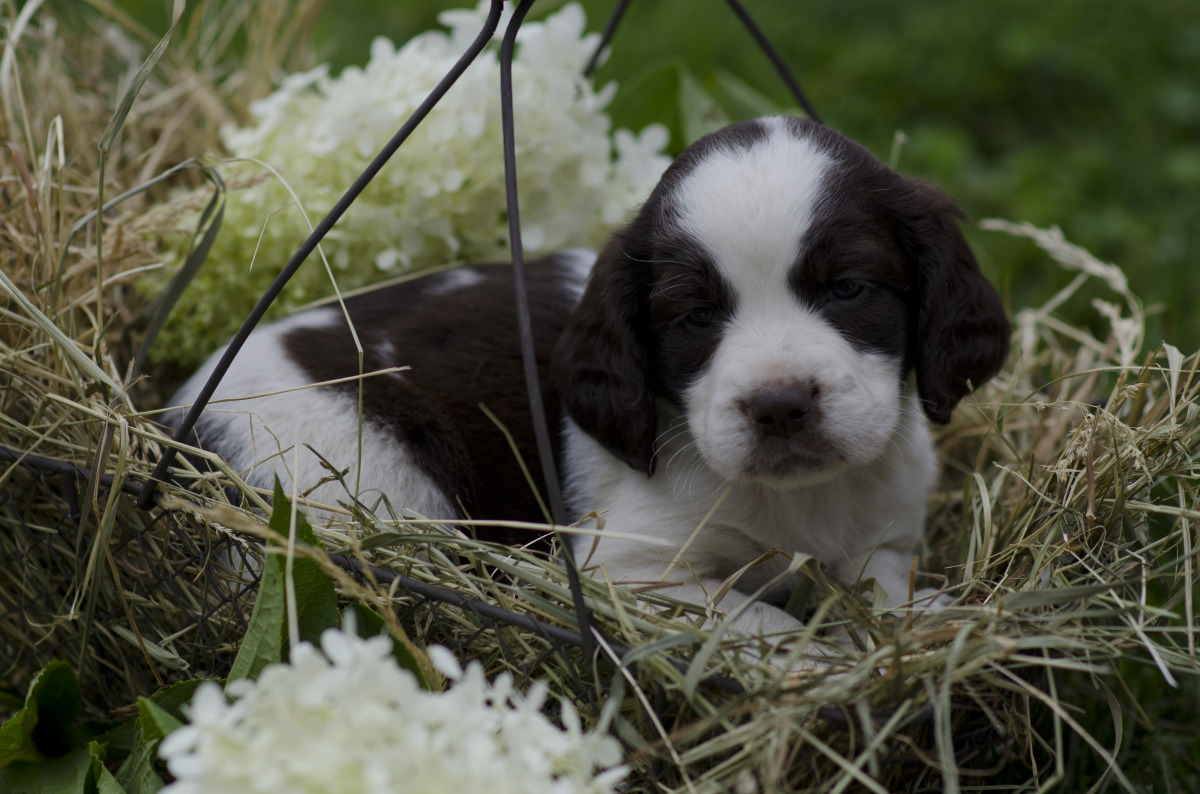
(761, 620)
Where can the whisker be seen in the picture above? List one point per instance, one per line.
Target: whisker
(631, 258)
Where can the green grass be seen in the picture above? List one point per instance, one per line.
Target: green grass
(1071, 113)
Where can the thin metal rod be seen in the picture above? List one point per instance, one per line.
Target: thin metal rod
(454, 598)
(610, 30)
(486, 609)
(64, 468)
(146, 497)
(524, 324)
(537, 409)
(776, 59)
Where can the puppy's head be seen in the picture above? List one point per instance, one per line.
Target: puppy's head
(777, 288)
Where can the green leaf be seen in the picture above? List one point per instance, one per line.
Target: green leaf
(137, 775)
(742, 101)
(44, 727)
(115, 736)
(371, 624)
(263, 643)
(175, 696)
(102, 781)
(316, 601)
(699, 112)
(316, 598)
(70, 774)
(156, 313)
(650, 97)
(42, 750)
(135, 85)
(157, 717)
(118, 741)
(156, 721)
(16, 742)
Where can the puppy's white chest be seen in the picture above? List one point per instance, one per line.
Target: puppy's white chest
(711, 527)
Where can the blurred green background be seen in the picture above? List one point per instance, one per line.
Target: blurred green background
(1077, 113)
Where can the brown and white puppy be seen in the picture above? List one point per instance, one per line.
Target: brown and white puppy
(772, 329)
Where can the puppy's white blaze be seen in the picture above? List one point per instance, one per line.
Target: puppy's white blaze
(750, 208)
(264, 432)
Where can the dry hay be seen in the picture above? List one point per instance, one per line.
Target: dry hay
(134, 600)
(1064, 526)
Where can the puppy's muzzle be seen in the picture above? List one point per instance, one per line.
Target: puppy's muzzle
(784, 412)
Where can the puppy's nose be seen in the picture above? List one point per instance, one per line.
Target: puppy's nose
(783, 412)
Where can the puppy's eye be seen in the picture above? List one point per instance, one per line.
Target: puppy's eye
(845, 289)
(701, 317)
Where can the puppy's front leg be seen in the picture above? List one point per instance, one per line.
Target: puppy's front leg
(754, 618)
(892, 571)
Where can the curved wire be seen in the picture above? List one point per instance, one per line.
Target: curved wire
(775, 58)
(785, 72)
(146, 497)
(610, 30)
(537, 409)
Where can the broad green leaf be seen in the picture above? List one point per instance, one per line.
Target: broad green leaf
(699, 112)
(156, 721)
(741, 101)
(43, 728)
(102, 781)
(156, 718)
(16, 742)
(316, 599)
(137, 775)
(116, 738)
(263, 643)
(650, 97)
(175, 696)
(67, 775)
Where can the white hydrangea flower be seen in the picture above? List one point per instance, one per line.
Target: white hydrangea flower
(347, 718)
(441, 197)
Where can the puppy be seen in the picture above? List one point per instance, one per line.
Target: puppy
(761, 347)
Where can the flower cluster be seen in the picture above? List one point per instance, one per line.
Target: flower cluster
(441, 197)
(347, 718)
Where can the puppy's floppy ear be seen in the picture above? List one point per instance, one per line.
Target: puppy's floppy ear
(600, 360)
(959, 337)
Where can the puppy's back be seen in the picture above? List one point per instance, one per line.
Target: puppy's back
(426, 445)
